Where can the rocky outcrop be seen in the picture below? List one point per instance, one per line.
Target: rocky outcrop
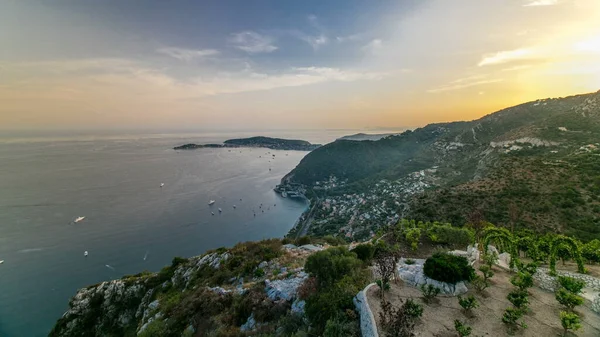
(285, 289)
(413, 275)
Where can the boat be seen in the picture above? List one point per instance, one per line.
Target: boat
(211, 202)
(79, 219)
(234, 206)
(162, 184)
(212, 213)
(220, 210)
(1, 261)
(85, 253)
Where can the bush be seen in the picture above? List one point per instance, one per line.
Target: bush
(445, 267)
(518, 298)
(490, 258)
(568, 299)
(571, 284)
(341, 326)
(479, 283)
(591, 251)
(429, 292)
(400, 322)
(462, 329)
(447, 234)
(410, 261)
(413, 236)
(468, 303)
(364, 251)
(511, 317)
(259, 272)
(331, 265)
(305, 240)
(569, 321)
(522, 280)
(486, 271)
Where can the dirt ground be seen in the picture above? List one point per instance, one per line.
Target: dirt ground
(438, 317)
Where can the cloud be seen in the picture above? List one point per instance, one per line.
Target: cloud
(541, 3)
(314, 41)
(373, 47)
(253, 42)
(187, 54)
(466, 82)
(504, 57)
(348, 38)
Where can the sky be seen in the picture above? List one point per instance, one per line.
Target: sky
(308, 64)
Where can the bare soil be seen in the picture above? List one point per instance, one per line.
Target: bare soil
(486, 320)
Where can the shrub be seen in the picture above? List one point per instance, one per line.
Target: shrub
(490, 258)
(569, 321)
(341, 326)
(413, 236)
(522, 280)
(486, 271)
(364, 251)
(429, 292)
(462, 329)
(399, 322)
(511, 317)
(568, 299)
(468, 303)
(591, 251)
(331, 265)
(334, 240)
(447, 234)
(305, 240)
(571, 284)
(444, 267)
(383, 285)
(259, 272)
(518, 298)
(410, 261)
(479, 283)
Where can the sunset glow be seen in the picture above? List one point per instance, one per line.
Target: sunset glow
(315, 65)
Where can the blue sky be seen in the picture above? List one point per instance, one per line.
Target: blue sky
(305, 64)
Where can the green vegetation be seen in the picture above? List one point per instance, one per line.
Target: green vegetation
(519, 299)
(569, 321)
(511, 317)
(568, 299)
(364, 252)
(522, 280)
(401, 321)
(571, 284)
(339, 275)
(448, 268)
(429, 292)
(462, 329)
(468, 303)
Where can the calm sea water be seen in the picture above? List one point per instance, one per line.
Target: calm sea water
(131, 224)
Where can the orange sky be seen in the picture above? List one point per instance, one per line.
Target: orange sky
(440, 61)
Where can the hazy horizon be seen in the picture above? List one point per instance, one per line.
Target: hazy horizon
(287, 65)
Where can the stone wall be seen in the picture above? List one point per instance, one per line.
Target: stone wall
(368, 326)
(550, 283)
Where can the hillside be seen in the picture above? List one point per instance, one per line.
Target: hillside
(541, 156)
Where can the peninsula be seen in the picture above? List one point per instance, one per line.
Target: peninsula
(266, 142)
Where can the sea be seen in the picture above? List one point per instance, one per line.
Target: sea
(131, 224)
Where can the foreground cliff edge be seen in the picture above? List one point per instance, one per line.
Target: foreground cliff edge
(541, 156)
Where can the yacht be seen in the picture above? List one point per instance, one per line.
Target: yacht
(79, 219)
(85, 253)
(211, 202)
(220, 210)
(162, 184)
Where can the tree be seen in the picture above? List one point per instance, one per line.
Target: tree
(364, 252)
(385, 264)
(468, 303)
(462, 329)
(522, 280)
(511, 318)
(504, 238)
(573, 285)
(479, 283)
(568, 299)
(486, 271)
(519, 299)
(413, 236)
(429, 292)
(569, 321)
(570, 242)
(591, 251)
(490, 258)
